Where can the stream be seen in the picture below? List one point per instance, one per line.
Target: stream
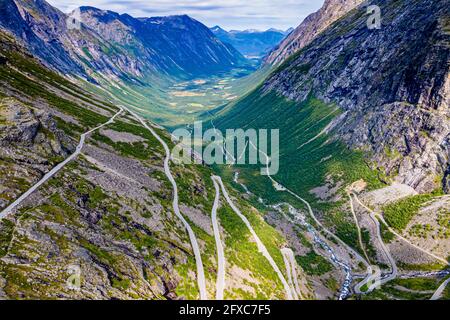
(300, 219)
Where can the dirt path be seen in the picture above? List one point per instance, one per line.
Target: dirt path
(381, 218)
(291, 270)
(56, 169)
(221, 262)
(194, 243)
(261, 247)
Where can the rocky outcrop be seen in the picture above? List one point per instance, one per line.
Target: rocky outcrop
(30, 142)
(392, 84)
(310, 28)
(446, 181)
(23, 126)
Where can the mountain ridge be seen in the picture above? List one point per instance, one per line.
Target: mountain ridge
(311, 27)
(369, 90)
(191, 49)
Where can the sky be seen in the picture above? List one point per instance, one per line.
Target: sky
(229, 14)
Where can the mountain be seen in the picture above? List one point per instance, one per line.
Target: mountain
(312, 26)
(389, 86)
(360, 105)
(40, 42)
(175, 44)
(377, 88)
(218, 31)
(117, 45)
(71, 51)
(107, 216)
(288, 31)
(94, 205)
(251, 43)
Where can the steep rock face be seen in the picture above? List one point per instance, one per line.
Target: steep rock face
(85, 46)
(116, 45)
(392, 84)
(48, 48)
(310, 28)
(30, 143)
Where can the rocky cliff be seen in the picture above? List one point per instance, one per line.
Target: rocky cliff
(392, 85)
(251, 43)
(47, 48)
(310, 28)
(116, 46)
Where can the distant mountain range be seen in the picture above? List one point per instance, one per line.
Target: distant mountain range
(251, 43)
(117, 45)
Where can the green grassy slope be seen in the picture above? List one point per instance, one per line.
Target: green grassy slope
(77, 214)
(309, 157)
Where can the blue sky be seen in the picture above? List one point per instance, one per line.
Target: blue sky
(229, 14)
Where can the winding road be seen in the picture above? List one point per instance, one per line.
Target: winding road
(394, 274)
(346, 246)
(280, 187)
(194, 243)
(261, 247)
(291, 270)
(345, 290)
(377, 280)
(56, 169)
(358, 227)
(220, 283)
(440, 291)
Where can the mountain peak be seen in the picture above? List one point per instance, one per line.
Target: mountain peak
(275, 30)
(217, 29)
(311, 27)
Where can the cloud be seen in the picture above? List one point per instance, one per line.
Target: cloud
(229, 14)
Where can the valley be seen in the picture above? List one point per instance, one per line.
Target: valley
(359, 208)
